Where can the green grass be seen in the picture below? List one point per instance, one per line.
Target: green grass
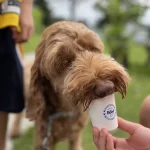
(32, 43)
(127, 108)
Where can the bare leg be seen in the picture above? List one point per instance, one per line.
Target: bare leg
(3, 129)
(75, 143)
(15, 130)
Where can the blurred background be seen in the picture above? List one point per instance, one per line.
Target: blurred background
(124, 27)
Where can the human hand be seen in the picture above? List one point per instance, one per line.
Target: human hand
(139, 137)
(26, 24)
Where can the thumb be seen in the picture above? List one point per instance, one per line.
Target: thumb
(127, 126)
(14, 31)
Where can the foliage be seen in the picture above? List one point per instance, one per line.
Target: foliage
(37, 15)
(47, 14)
(45, 10)
(118, 15)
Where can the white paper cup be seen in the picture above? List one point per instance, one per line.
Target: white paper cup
(103, 113)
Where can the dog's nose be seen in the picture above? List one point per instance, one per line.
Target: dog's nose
(104, 88)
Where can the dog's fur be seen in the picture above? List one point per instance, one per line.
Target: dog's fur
(69, 71)
(145, 112)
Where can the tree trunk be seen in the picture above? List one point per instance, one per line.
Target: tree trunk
(73, 4)
(114, 54)
(125, 61)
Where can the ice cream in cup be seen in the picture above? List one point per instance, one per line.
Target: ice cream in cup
(103, 113)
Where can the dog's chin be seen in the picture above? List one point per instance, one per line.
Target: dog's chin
(68, 103)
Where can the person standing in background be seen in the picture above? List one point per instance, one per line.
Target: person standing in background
(16, 26)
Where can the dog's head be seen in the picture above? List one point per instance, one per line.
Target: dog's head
(70, 68)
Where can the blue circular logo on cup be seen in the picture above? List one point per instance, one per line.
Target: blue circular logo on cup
(109, 112)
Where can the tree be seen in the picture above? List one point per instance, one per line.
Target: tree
(73, 6)
(117, 16)
(46, 11)
(48, 17)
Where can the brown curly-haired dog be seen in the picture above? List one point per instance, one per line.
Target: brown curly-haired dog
(70, 70)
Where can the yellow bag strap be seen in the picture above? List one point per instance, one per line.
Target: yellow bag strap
(21, 50)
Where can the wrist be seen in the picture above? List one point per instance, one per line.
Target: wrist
(25, 7)
(28, 2)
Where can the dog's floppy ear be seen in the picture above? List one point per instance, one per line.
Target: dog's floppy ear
(36, 102)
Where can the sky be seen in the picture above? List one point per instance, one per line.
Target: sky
(86, 11)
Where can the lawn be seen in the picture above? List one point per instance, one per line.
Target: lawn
(127, 108)
(31, 44)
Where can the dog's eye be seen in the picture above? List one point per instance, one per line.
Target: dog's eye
(64, 60)
(62, 64)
